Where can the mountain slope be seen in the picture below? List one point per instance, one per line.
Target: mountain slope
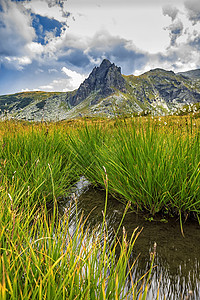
(194, 74)
(106, 92)
(163, 90)
(31, 105)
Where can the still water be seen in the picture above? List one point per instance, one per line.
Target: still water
(177, 271)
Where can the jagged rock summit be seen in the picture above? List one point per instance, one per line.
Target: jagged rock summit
(103, 81)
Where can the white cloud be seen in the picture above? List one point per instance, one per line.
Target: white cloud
(46, 87)
(75, 79)
(28, 90)
(35, 48)
(15, 30)
(170, 11)
(52, 71)
(17, 34)
(177, 58)
(175, 30)
(70, 83)
(140, 24)
(50, 9)
(132, 34)
(17, 62)
(193, 10)
(101, 28)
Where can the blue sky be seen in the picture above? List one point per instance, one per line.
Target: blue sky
(53, 45)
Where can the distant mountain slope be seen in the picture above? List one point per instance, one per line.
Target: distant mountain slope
(106, 92)
(20, 100)
(163, 90)
(194, 74)
(29, 105)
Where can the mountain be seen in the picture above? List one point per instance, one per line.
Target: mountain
(106, 92)
(194, 74)
(163, 91)
(32, 105)
(103, 81)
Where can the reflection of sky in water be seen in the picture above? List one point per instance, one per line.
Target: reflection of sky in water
(177, 258)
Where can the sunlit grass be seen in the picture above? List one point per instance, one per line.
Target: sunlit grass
(150, 163)
(154, 163)
(43, 257)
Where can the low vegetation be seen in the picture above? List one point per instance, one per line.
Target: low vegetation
(42, 259)
(152, 164)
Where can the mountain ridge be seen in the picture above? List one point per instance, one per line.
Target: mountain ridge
(195, 74)
(106, 92)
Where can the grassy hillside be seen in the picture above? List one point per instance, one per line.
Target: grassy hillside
(18, 101)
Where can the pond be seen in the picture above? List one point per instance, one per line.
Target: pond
(177, 262)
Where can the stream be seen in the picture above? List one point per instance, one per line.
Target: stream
(177, 260)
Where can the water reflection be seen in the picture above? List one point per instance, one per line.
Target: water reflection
(177, 258)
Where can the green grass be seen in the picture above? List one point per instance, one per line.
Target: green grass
(40, 256)
(30, 160)
(154, 164)
(42, 259)
(157, 171)
(150, 165)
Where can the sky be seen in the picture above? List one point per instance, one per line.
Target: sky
(53, 45)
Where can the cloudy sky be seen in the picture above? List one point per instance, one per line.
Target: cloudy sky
(53, 45)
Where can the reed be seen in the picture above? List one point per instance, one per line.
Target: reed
(29, 161)
(156, 170)
(43, 258)
(150, 164)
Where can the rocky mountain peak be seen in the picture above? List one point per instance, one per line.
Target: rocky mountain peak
(105, 63)
(103, 80)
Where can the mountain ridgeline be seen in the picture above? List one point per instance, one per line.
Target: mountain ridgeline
(108, 93)
(103, 80)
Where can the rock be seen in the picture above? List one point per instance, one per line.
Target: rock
(104, 80)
